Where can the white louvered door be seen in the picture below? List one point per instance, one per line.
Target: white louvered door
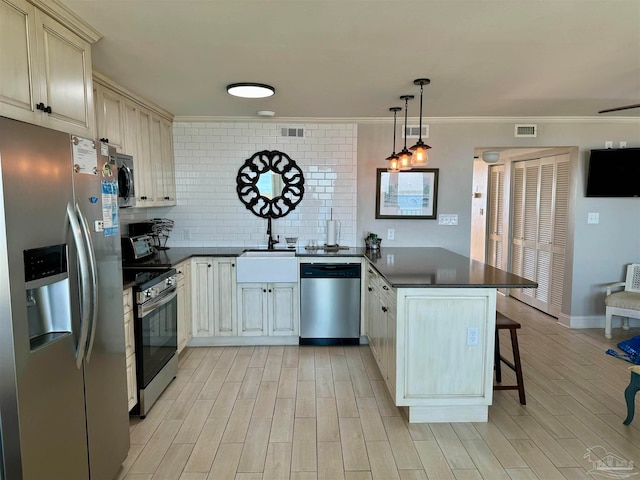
(539, 229)
(496, 214)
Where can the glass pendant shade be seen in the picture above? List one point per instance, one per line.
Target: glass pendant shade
(405, 160)
(393, 158)
(420, 155)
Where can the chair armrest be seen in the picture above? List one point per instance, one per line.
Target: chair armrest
(614, 285)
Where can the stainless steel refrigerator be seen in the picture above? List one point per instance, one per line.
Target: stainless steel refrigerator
(63, 396)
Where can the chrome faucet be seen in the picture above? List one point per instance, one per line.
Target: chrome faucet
(272, 241)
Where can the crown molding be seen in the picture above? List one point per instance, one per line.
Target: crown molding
(428, 120)
(68, 18)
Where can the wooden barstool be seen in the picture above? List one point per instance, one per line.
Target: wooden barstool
(503, 323)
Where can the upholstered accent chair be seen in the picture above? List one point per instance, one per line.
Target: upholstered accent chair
(625, 303)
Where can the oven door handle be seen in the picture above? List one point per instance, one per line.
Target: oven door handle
(147, 308)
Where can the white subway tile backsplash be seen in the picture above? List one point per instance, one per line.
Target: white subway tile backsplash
(208, 156)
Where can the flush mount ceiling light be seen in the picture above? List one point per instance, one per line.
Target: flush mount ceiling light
(393, 158)
(420, 157)
(490, 157)
(250, 90)
(405, 154)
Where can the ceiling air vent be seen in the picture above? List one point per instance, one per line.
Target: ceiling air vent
(413, 131)
(529, 130)
(292, 132)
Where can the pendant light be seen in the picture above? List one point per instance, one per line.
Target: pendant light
(393, 158)
(420, 157)
(405, 154)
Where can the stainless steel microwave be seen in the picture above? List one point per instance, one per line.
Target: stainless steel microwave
(126, 180)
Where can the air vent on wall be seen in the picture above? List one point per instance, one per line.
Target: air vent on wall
(413, 131)
(292, 132)
(528, 130)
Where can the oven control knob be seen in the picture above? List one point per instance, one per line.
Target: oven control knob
(170, 281)
(151, 293)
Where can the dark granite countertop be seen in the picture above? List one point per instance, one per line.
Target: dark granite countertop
(402, 267)
(434, 267)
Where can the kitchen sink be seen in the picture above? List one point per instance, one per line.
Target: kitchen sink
(267, 266)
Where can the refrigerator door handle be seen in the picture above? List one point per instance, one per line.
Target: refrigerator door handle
(93, 272)
(85, 293)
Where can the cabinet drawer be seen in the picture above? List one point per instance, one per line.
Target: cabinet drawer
(127, 300)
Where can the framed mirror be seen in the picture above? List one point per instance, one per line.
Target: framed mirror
(270, 184)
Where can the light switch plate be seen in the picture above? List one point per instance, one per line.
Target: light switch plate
(391, 234)
(448, 219)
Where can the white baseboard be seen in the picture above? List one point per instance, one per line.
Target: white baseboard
(593, 321)
(241, 341)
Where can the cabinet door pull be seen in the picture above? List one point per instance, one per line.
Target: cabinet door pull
(370, 289)
(144, 197)
(384, 309)
(40, 106)
(264, 290)
(167, 198)
(370, 271)
(47, 109)
(104, 140)
(385, 287)
(208, 265)
(180, 272)
(233, 265)
(269, 290)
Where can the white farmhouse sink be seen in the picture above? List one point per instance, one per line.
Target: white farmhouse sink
(267, 266)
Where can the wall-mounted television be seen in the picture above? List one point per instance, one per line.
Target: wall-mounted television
(614, 172)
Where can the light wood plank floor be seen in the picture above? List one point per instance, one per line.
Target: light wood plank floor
(301, 413)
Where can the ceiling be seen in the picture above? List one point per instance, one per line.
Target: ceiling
(354, 58)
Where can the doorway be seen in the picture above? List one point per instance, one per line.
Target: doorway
(527, 220)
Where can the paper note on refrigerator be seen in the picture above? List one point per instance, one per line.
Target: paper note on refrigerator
(110, 208)
(85, 155)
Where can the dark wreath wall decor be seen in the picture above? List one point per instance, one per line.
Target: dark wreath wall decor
(270, 184)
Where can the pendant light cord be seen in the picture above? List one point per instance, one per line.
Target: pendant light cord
(406, 107)
(395, 114)
(420, 139)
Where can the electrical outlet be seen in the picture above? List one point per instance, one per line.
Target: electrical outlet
(391, 234)
(593, 217)
(623, 144)
(186, 234)
(608, 144)
(473, 335)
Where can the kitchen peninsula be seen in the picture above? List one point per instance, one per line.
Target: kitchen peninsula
(428, 314)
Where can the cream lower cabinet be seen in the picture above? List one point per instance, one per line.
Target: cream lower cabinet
(213, 294)
(268, 309)
(130, 349)
(45, 75)
(418, 337)
(185, 332)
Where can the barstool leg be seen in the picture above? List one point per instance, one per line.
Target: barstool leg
(630, 395)
(518, 365)
(496, 360)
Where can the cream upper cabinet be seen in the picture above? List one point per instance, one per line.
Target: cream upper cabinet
(110, 111)
(18, 68)
(143, 130)
(45, 77)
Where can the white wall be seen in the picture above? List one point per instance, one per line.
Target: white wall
(208, 156)
(599, 251)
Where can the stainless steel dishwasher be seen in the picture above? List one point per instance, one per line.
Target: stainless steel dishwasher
(330, 304)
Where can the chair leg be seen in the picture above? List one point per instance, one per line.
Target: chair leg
(518, 365)
(496, 359)
(629, 396)
(607, 323)
(625, 323)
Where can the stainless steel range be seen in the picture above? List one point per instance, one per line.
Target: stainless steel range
(155, 317)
